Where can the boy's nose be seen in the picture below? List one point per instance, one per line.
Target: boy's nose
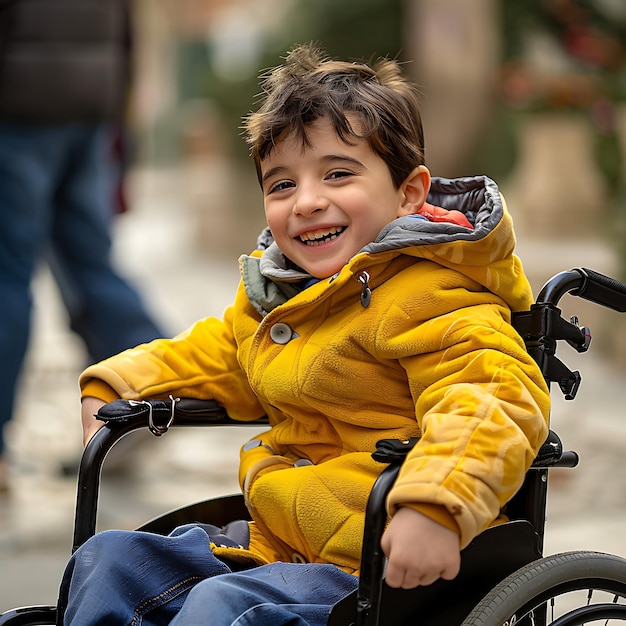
(309, 201)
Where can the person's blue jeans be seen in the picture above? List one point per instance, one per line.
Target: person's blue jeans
(135, 578)
(57, 201)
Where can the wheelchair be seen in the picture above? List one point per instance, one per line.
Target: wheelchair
(505, 579)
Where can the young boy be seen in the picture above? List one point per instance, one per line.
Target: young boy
(380, 308)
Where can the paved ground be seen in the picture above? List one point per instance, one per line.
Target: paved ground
(158, 243)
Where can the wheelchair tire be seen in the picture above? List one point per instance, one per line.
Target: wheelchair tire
(568, 589)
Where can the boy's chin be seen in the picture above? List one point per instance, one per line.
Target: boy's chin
(321, 274)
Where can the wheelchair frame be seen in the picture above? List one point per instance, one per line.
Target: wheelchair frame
(504, 578)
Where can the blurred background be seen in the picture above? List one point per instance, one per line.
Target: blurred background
(532, 94)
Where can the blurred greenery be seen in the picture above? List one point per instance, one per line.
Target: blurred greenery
(581, 67)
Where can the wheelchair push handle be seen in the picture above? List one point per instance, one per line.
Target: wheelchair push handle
(587, 284)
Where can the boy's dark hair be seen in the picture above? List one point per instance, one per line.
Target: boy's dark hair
(311, 86)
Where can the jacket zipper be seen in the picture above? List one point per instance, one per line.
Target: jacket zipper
(366, 293)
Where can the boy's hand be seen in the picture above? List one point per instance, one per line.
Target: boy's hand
(419, 550)
(89, 408)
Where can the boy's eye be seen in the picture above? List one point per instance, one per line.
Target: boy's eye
(338, 174)
(280, 186)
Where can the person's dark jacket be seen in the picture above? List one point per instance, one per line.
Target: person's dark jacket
(63, 61)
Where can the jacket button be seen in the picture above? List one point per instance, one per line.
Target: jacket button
(302, 463)
(256, 443)
(281, 333)
(252, 444)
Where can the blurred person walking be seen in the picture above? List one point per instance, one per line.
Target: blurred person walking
(64, 82)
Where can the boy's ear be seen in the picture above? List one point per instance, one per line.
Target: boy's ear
(414, 191)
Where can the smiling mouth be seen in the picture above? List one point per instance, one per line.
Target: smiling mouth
(320, 237)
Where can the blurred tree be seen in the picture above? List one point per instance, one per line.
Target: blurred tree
(357, 29)
(353, 29)
(456, 46)
(570, 56)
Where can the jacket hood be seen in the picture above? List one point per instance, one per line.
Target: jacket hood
(484, 254)
(478, 198)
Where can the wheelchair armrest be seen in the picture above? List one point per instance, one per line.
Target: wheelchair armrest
(122, 417)
(551, 454)
(160, 415)
(393, 452)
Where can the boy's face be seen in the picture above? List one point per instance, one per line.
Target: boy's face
(327, 200)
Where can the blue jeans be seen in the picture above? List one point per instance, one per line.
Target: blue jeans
(135, 578)
(57, 186)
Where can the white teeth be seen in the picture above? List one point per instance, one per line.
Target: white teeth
(318, 237)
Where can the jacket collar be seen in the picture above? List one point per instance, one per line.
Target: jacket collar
(271, 279)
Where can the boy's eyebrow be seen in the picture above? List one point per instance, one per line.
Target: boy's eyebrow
(272, 172)
(330, 158)
(343, 158)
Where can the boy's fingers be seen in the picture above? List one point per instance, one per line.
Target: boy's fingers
(451, 572)
(394, 577)
(405, 575)
(409, 579)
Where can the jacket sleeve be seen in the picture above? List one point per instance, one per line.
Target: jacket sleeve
(199, 363)
(482, 406)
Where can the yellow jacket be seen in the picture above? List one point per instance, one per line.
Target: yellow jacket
(432, 354)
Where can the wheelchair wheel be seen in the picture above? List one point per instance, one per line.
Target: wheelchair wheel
(569, 589)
